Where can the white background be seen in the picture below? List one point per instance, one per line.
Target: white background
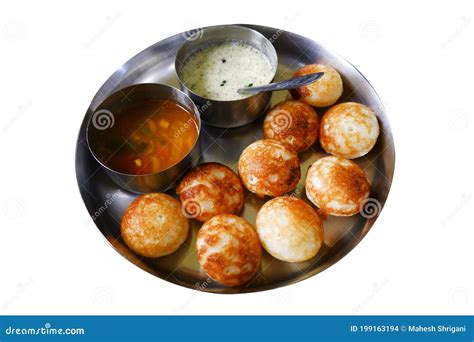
(417, 259)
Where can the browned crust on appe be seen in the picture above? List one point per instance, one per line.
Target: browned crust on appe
(346, 184)
(330, 122)
(293, 123)
(290, 229)
(299, 93)
(328, 87)
(300, 210)
(202, 185)
(267, 167)
(153, 225)
(231, 260)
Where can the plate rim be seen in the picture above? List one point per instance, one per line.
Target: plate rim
(239, 290)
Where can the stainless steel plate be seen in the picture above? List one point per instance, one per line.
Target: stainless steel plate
(106, 202)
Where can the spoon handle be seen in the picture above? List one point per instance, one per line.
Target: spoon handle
(292, 83)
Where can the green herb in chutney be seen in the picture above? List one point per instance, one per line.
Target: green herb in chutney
(218, 71)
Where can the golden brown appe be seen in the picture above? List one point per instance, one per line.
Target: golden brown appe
(210, 189)
(293, 123)
(153, 225)
(349, 130)
(228, 249)
(337, 186)
(322, 93)
(267, 167)
(290, 229)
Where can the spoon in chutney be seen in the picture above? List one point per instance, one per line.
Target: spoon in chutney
(292, 83)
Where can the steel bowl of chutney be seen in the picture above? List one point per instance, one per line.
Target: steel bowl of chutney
(224, 59)
(145, 136)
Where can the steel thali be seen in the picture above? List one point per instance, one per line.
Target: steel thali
(106, 201)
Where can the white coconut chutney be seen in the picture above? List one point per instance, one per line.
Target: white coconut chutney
(219, 70)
